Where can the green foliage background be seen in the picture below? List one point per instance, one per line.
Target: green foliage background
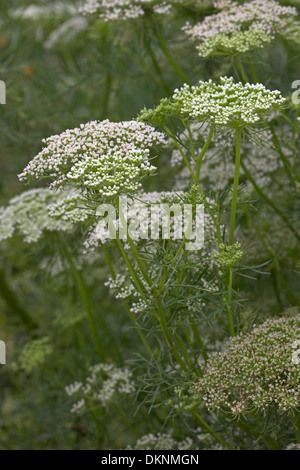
(104, 72)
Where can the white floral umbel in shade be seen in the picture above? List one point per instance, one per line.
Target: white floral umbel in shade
(106, 384)
(256, 371)
(35, 211)
(240, 28)
(161, 441)
(122, 10)
(107, 158)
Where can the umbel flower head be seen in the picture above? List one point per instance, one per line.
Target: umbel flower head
(34, 355)
(29, 214)
(256, 370)
(227, 104)
(122, 10)
(240, 28)
(109, 158)
(104, 385)
(161, 441)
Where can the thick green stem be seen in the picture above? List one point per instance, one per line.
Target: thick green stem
(232, 224)
(161, 314)
(229, 310)
(235, 185)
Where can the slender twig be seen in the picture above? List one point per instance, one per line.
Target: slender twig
(85, 298)
(269, 202)
(10, 297)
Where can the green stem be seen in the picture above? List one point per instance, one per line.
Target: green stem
(131, 315)
(269, 202)
(284, 159)
(85, 298)
(232, 224)
(185, 159)
(242, 70)
(253, 71)
(207, 427)
(168, 337)
(235, 185)
(187, 126)
(166, 87)
(125, 420)
(131, 269)
(107, 93)
(14, 305)
(161, 316)
(203, 152)
(265, 241)
(169, 56)
(296, 422)
(198, 339)
(268, 439)
(127, 51)
(229, 310)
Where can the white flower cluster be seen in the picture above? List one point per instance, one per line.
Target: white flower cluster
(140, 307)
(226, 104)
(34, 355)
(202, 261)
(66, 32)
(69, 208)
(293, 446)
(105, 384)
(40, 12)
(256, 370)
(296, 352)
(122, 10)
(107, 157)
(240, 28)
(121, 286)
(137, 219)
(161, 441)
(32, 213)
(216, 168)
